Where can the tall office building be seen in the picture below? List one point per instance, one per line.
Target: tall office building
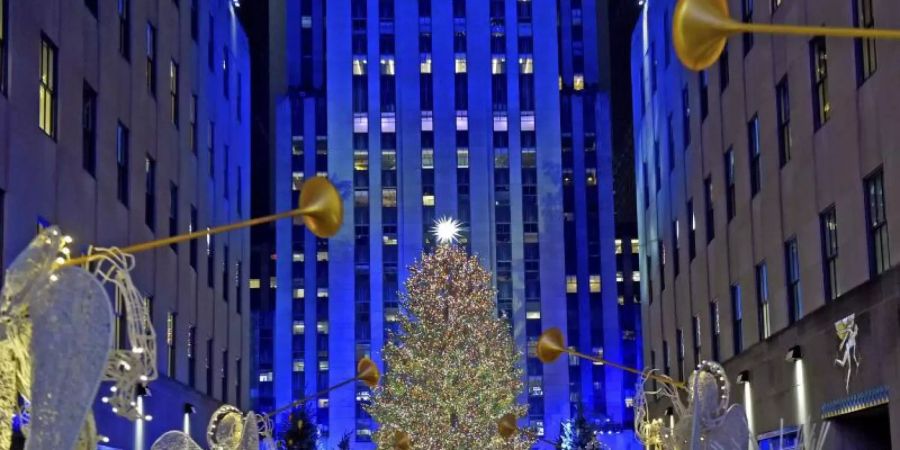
(493, 112)
(765, 205)
(123, 122)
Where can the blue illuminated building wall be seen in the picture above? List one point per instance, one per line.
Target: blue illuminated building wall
(493, 112)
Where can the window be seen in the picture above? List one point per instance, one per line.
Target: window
(170, 342)
(753, 147)
(122, 164)
(667, 34)
(783, 105)
(866, 56)
(792, 275)
(195, 20)
(150, 192)
(729, 183)
(211, 260)
(90, 4)
(692, 230)
(47, 117)
(226, 91)
(191, 356)
(226, 287)
(714, 329)
(459, 8)
(124, 11)
(4, 44)
(776, 4)
(747, 16)
(675, 247)
(670, 141)
(150, 67)
(818, 55)
(679, 349)
(762, 301)
(737, 316)
(876, 218)
(192, 244)
(211, 143)
(89, 129)
(173, 213)
(703, 82)
(173, 90)
(695, 331)
(828, 223)
(192, 136)
(724, 74)
(710, 212)
(686, 117)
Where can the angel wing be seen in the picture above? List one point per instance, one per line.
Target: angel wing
(70, 312)
(175, 440)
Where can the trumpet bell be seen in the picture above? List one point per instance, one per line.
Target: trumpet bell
(367, 372)
(506, 426)
(700, 30)
(321, 207)
(550, 345)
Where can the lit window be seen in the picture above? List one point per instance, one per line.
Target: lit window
(322, 293)
(298, 365)
(359, 66)
(571, 284)
(297, 257)
(578, 82)
(526, 64)
(273, 283)
(497, 64)
(462, 120)
(323, 366)
(621, 300)
(636, 276)
(591, 177)
(361, 198)
(427, 158)
(299, 327)
(594, 283)
(460, 64)
(389, 239)
(501, 122)
(299, 293)
(323, 402)
(322, 327)
(425, 63)
(462, 158)
(428, 200)
(618, 246)
(391, 315)
(635, 246)
(360, 123)
(389, 197)
(322, 256)
(388, 122)
(265, 377)
(48, 74)
(533, 315)
(360, 160)
(297, 181)
(427, 121)
(387, 65)
(598, 351)
(527, 120)
(254, 283)
(388, 160)
(629, 402)
(620, 277)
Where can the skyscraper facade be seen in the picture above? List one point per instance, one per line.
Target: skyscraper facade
(765, 204)
(492, 112)
(123, 122)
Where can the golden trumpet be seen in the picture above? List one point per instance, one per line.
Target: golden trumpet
(700, 29)
(550, 346)
(367, 372)
(506, 426)
(320, 208)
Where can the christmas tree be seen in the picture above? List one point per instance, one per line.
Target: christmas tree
(302, 433)
(578, 434)
(453, 370)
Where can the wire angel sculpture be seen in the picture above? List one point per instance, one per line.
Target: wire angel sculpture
(228, 429)
(847, 330)
(708, 421)
(47, 311)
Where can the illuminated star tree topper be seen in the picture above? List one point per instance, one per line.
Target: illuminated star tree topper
(447, 230)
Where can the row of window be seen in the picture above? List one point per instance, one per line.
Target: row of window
(879, 257)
